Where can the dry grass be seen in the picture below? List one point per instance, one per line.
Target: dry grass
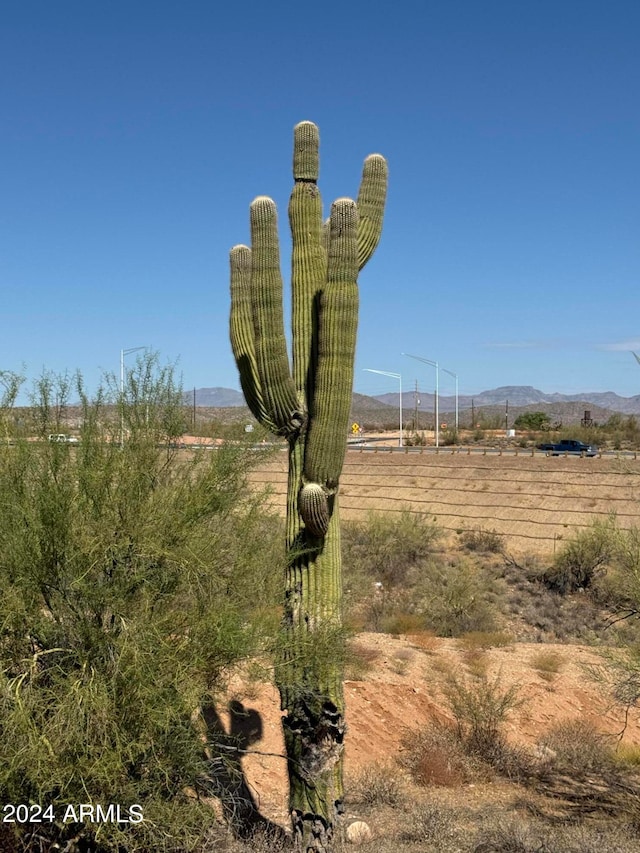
(435, 756)
(547, 664)
(379, 784)
(400, 661)
(486, 639)
(359, 660)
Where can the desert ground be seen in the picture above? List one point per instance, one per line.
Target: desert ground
(402, 692)
(534, 501)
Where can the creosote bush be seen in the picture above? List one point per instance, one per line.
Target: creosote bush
(128, 573)
(483, 541)
(398, 581)
(583, 557)
(480, 706)
(387, 548)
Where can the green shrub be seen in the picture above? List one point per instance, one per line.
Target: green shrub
(480, 707)
(386, 548)
(128, 573)
(455, 599)
(532, 420)
(582, 557)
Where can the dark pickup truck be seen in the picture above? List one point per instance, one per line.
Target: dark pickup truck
(570, 446)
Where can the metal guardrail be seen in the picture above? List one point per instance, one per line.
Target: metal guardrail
(369, 446)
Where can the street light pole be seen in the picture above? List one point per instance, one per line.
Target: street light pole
(124, 352)
(455, 376)
(433, 364)
(394, 376)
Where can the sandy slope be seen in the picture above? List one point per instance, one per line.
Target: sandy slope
(533, 501)
(403, 690)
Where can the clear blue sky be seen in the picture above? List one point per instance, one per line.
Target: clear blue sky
(135, 135)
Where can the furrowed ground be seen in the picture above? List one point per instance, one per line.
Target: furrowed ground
(532, 501)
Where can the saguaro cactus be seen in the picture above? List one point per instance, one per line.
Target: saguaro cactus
(309, 405)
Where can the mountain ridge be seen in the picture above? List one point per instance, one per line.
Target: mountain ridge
(513, 395)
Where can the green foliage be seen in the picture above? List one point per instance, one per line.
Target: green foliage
(480, 707)
(449, 437)
(532, 420)
(127, 589)
(578, 561)
(386, 548)
(420, 589)
(455, 599)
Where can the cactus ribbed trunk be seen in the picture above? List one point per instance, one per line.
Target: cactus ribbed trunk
(309, 405)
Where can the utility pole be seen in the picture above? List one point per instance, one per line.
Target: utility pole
(416, 403)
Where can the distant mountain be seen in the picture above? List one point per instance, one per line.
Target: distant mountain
(229, 405)
(517, 396)
(222, 398)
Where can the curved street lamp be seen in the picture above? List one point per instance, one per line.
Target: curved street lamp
(394, 376)
(433, 364)
(124, 352)
(455, 376)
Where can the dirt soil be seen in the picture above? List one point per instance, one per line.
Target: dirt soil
(403, 690)
(533, 502)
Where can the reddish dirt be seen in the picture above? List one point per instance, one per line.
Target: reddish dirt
(402, 690)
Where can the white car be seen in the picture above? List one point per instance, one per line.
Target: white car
(61, 438)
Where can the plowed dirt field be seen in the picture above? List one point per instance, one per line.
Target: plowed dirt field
(533, 501)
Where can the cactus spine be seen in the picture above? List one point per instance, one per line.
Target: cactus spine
(309, 405)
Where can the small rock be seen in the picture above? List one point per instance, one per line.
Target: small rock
(358, 832)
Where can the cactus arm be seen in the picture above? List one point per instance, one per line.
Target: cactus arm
(242, 335)
(338, 322)
(266, 296)
(372, 196)
(371, 199)
(309, 257)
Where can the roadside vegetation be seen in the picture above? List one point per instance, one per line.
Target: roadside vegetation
(127, 593)
(128, 578)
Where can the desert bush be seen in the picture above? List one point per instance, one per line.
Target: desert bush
(402, 623)
(486, 639)
(581, 775)
(398, 582)
(434, 755)
(416, 439)
(378, 784)
(429, 823)
(127, 590)
(544, 837)
(578, 747)
(619, 589)
(547, 664)
(510, 838)
(480, 707)
(360, 659)
(386, 548)
(582, 557)
(449, 437)
(483, 541)
(454, 599)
